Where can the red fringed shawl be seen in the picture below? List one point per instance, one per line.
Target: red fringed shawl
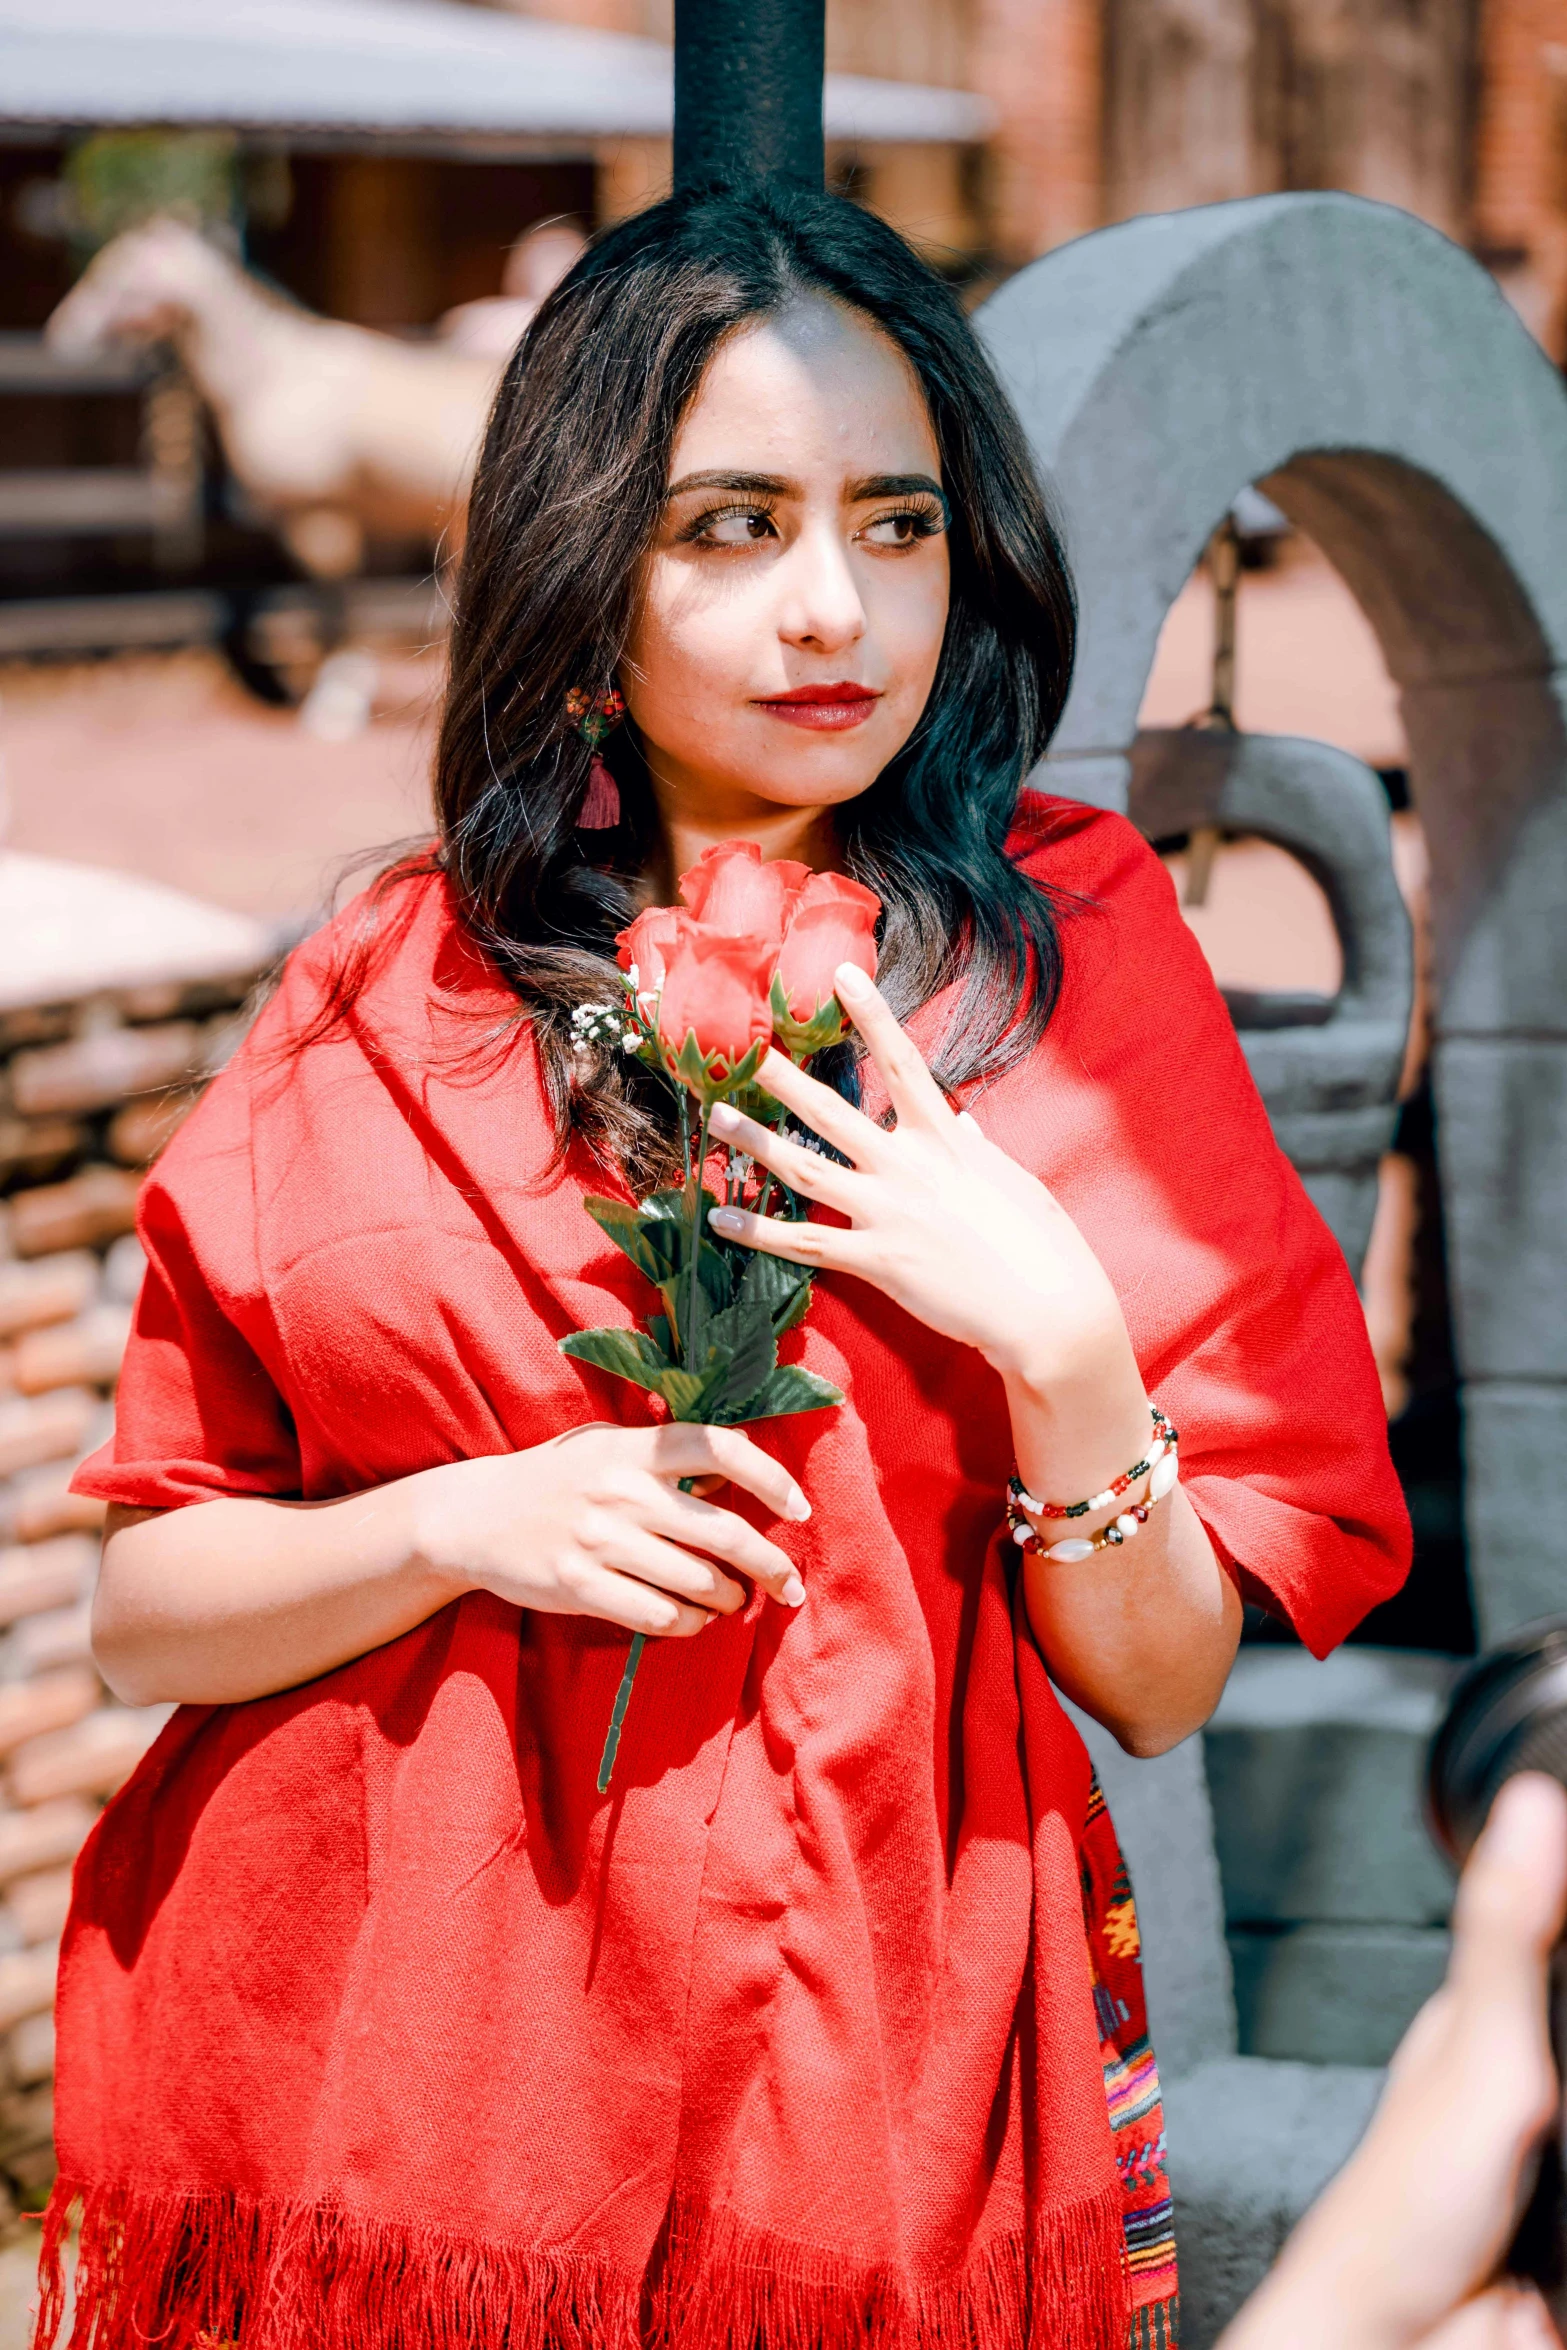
(378, 2028)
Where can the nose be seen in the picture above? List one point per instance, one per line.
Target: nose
(821, 609)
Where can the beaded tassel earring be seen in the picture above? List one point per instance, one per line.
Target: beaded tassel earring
(600, 810)
(594, 717)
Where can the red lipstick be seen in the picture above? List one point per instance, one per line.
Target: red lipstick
(831, 709)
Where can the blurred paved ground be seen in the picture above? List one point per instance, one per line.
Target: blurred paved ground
(18, 2288)
(164, 766)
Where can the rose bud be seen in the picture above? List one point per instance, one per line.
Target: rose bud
(832, 921)
(644, 945)
(715, 1017)
(731, 889)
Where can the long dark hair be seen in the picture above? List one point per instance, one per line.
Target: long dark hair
(566, 501)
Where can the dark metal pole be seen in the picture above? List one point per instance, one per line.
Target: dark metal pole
(748, 91)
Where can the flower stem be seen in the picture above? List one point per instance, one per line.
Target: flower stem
(623, 1695)
(695, 1235)
(767, 1187)
(618, 1713)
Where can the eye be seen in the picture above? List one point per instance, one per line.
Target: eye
(731, 526)
(905, 527)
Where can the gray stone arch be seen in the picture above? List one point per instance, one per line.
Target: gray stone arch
(1368, 374)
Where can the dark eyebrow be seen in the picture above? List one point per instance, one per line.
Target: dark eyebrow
(777, 485)
(759, 485)
(896, 485)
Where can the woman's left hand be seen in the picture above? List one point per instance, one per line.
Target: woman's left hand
(970, 1243)
(940, 1219)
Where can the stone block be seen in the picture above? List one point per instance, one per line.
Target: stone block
(38, 1576)
(62, 1637)
(1314, 1772)
(1502, 1129)
(94, 1757)
(96, 1071)
(27, 1983)
(53, 1702)
(40, 1503)
(44, 1428)
(32, 1150)
(1252, 2145)
(30, 2051)
(1515, 1433)
(139, 1131)
(1333, 1994)
(83, 1353)
(38, 1906)
(55, 1289)
(93, 1207)
(45, 1837)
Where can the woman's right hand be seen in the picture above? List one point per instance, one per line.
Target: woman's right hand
(594, 1524)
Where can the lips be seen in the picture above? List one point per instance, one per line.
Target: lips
(831, 709)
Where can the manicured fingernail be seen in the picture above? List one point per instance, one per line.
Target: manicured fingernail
(851, 981)
(797, 1506)
(793, 1592)
(965, 1120)
(724, 1119)
(726, 1219)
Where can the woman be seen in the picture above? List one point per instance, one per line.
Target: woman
(378, 2025)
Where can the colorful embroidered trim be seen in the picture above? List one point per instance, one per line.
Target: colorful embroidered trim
(1132, 2097)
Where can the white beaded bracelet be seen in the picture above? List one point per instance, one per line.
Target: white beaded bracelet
(1165, 1475)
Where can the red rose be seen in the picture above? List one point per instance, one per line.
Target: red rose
(644, 946)
(832, 921)
(731, 889)
(718, 989)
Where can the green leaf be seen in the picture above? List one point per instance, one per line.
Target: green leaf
(629, 1231)
(671, 1207)
(747, 1332)
(782, 1290)
(788, 1388)
(629, 1354)
(663, 1337)
(689, 1393)
(795, 1311)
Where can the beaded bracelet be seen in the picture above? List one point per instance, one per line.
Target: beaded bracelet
(1166, 1475)
(1165, 1439)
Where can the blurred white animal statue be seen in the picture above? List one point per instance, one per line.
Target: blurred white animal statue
(540, 258)
(337, 433)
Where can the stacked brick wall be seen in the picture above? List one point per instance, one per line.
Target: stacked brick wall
(89, 1092)
(1520, 195)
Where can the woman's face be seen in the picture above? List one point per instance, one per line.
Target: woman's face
(791, 611)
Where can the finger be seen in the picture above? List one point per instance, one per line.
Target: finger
(1513, 1894)
(914, 1092)
(804, 1171)
(697, 1525)
(826, 1113)
(1510, 2317)
(636, 1606)
(635, 1550)
(824, 1247)
(682, 1449)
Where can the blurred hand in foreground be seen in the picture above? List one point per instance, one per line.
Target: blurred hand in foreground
(1403, 2250)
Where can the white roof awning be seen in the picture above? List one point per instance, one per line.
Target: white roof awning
(412, 70)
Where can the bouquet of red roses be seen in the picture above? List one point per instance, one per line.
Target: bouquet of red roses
(746, 961)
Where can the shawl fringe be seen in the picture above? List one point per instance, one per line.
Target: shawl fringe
(204, 2271)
